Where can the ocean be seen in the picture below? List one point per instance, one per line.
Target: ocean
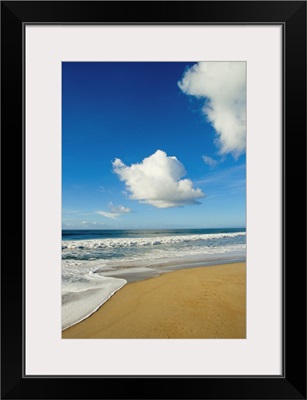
(97, 263)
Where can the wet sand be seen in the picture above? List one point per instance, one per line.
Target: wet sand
(203, 302)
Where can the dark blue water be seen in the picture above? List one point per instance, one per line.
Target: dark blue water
(84, 234)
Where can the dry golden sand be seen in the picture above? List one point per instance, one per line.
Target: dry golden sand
(204, 302)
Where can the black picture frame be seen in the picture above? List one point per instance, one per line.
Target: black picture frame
(292, 16)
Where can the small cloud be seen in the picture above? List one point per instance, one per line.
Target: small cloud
(118, 209)
(108, 214)
(90, 223)
(114, 211)
(157, 181)
(77, 224)
(222, 85)
(210, 161)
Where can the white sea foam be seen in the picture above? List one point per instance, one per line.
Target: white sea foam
(128, 242)
(83, 292)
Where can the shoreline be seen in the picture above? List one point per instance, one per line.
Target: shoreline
(197, 302)
(156, 270)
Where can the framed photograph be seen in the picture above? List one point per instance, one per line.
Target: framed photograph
(163, 149)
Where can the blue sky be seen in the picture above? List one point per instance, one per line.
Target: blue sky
(153, 145)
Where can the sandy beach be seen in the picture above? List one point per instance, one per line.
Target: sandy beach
(203, 302)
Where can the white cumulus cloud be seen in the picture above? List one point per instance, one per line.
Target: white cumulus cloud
(223, 85)
(157, 181)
